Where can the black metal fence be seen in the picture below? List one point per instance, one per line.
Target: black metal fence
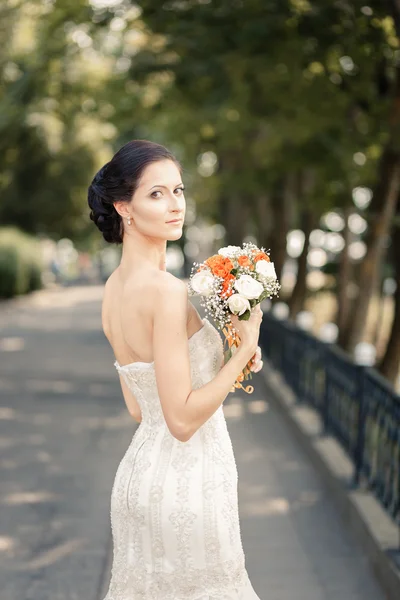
(357, 405)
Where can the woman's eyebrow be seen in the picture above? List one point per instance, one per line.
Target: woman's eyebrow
(164, 186)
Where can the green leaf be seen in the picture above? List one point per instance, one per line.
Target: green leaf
(263, 296)
(245, 316)
(227, 355)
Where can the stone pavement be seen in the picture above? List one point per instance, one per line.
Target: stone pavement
(63, 430)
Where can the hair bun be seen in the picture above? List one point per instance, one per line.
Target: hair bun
(97, 184)
(103, 212)
(105, 222)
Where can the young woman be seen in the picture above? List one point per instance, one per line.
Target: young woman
(174, 505)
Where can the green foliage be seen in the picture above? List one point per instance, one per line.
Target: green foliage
(273, 88)
(11, 280)
(54, 126)
(20, 263)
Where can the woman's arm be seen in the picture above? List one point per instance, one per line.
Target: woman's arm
(185, 409)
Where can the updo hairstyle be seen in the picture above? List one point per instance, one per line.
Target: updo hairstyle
(118, 180)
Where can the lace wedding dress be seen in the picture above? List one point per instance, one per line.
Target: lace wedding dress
(174, 505)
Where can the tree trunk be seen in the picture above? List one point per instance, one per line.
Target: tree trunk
(383, 207)
(379, 316)
(281, 200)
(234, 217)
(262, 220)
(297, 300)
(344, 278)
(389, 365)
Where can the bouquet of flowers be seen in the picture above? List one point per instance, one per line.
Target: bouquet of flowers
(233, 282)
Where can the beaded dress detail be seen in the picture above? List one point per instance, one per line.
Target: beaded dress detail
(174, 505)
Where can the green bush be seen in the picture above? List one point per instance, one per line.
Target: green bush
(20, 263)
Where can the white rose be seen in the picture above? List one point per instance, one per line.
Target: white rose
(229, 251)
(266, 269)
(238, 304)
(203, 283)
(248, 287)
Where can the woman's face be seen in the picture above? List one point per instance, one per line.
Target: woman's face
(158, 199)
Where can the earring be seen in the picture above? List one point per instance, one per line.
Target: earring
(129, 220)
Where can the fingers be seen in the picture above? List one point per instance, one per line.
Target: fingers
(257, 362)
(258, 367)
(257, 310)
(234, 320)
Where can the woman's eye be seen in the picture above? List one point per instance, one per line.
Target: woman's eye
(158, 193)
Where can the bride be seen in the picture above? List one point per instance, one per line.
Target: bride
(174, 504)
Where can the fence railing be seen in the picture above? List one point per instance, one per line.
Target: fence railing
(357, 405)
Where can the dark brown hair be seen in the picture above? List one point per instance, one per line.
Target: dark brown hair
(117, 180)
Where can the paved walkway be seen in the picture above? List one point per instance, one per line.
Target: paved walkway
(296, 546)
(64, 429)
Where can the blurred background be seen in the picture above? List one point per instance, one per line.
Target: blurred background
(285, 115)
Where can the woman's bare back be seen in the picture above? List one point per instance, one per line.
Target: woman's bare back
(128, 310)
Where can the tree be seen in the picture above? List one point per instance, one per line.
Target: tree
(53, 130)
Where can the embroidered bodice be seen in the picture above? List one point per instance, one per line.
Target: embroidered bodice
(206, 358)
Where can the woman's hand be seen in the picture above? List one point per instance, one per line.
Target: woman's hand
(249, 330)
(257, 363)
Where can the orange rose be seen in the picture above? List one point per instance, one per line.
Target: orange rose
(228, 264)
(219, 265)
(261, 256)
(219, 270)
(244, 261)
(213, 261)
(226, 289)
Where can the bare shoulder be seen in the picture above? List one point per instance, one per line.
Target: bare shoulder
(154, 281)
(166, 282)
(160, 288)
(171, 294)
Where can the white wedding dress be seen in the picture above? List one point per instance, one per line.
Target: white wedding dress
(174, 505)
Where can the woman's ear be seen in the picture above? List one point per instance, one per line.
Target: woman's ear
(122, 209)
